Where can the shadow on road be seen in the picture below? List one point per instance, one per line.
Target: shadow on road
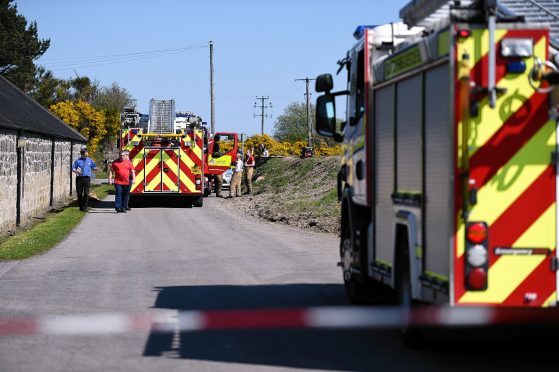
(161, 201)
(328, 349)
(288, 348)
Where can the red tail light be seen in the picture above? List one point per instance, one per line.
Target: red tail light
(464, 33)
(477, 279)
(477, 232)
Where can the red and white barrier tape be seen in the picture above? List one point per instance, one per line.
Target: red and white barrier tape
(324, 317)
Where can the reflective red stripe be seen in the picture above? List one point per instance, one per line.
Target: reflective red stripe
(255, 319)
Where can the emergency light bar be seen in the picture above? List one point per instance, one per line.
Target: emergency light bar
(360, 30)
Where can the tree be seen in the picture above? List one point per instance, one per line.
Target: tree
(19, 47)
(112, 100)
(85, 118)
(292, 124)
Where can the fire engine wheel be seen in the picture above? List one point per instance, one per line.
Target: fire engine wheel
(358, 291)
(198, 202)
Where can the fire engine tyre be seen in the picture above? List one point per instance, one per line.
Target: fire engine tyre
(358, 290)
(199, 201)
(412, 335)
(207, 192)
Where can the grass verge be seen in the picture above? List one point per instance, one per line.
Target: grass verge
(47, 233)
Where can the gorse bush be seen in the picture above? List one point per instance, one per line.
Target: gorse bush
(285, 148)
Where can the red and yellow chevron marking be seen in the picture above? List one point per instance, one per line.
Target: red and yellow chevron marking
(510, 152)
(166, 169)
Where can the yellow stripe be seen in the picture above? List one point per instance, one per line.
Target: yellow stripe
(551, 301)
(510, 271)
(511, 180)
(197, 150)
(169, 183)
(154, 183)
(187, 160)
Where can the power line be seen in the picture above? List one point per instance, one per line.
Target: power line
(186, 47)
(69, 65)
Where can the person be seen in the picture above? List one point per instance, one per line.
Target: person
(218, 178)
(249, 166)
(123, 172)
(264, 151)
(235, 187)
(125, 201)
(83, 167)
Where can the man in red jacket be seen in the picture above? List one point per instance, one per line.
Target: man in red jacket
(124, 174)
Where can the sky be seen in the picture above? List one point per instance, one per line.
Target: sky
(260, 48)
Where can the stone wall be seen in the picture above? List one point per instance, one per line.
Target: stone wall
(35, 191)
(36, 156)
(8, 180)
(62, 173)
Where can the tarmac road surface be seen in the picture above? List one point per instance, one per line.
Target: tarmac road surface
(159, 257)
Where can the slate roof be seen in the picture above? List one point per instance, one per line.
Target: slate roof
(20, 112)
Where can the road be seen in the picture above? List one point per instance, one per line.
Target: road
(211, 258)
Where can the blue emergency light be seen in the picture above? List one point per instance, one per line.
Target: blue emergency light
(360, 30)
(516, 67)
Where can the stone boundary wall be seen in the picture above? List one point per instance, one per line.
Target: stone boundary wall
(36, 176)
(35, 195)
(8, 180)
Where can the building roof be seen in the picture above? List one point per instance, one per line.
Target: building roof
(20, 112)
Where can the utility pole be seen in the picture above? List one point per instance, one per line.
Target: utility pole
(309, 124)
(262, 107)
(212, 98)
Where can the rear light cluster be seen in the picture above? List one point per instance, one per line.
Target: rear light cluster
(198, 181)
(477, 256)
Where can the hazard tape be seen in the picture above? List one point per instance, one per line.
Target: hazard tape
(319, 318)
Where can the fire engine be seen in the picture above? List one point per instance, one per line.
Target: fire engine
(217, 162)
(166, 161)
(449, 182)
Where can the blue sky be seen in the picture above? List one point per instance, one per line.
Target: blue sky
(260, 48)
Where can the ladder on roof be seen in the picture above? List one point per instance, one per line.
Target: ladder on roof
(432, 14)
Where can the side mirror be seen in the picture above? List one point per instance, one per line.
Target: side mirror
(324, 83)
(326, 115)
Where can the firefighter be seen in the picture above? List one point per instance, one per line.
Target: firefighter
(249, 166)
(235, 187)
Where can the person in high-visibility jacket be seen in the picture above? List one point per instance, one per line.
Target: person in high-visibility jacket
(249, 170)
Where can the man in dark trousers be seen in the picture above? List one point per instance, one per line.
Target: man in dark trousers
(83, 167)
(124, 174)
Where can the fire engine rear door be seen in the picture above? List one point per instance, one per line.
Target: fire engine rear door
(512, 179)
(161, 170)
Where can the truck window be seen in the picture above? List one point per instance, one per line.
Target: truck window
(357, 88)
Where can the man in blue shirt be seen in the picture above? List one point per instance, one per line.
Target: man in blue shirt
(83, 167)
